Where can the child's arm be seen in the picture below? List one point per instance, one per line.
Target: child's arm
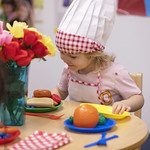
(131, 104)
(60, 93)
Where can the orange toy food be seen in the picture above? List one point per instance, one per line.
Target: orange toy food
(9, 130)
(85, 116)
(42, 93)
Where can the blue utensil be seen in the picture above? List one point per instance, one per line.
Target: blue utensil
(102, 141)
(103, 135)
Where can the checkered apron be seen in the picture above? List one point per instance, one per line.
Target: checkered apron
(83, 91)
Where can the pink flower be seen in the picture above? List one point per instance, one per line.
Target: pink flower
(5, 36)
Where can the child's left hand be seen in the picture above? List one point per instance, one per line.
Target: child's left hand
(120, 107)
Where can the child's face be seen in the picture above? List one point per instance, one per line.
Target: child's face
(77, 62)
(22, 13)
(7, 9)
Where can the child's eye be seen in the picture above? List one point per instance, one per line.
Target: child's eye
(73, 57)
(61, 53)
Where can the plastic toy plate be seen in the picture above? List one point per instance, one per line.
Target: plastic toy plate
(107, 111)
(99, 128)
(42, 110)
(13, 136)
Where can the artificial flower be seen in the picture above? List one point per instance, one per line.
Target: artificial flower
(31, 37)
(20, 45)
(48, 43)
(17, 29)
(5, 36)
(10, 49)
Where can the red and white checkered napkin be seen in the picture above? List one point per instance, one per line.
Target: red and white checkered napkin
(40, 140)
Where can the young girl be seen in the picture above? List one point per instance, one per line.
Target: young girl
(24, 13)
(90, 75)
(8, 12)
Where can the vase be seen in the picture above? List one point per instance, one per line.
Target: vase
(12, 109)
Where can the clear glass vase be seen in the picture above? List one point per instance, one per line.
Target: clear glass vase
(12, 109)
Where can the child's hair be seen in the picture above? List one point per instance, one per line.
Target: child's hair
(29, 20)
(11, 2)
(101, 59)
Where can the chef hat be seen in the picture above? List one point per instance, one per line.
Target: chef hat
(86, 26)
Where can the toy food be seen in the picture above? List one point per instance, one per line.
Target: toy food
(41, 102)
(102, 119)
(4, 136)
(9, 130)
(56, 98)
(42, 93)
(85, 116)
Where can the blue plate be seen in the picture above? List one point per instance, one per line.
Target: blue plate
(99, 128)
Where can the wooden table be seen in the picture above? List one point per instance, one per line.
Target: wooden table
(131, 130)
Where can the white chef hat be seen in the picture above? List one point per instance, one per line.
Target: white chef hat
(86, 26)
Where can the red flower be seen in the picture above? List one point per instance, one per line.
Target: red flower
(2, 57)
(24, 61)
(20, 51)
(31, 37)
(40, 50)
(24, 57)
(10, 49)
(21, 54)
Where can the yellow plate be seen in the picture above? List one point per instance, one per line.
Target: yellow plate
(107, 111)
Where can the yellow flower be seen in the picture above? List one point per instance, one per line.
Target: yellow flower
(49, 44)
(17, 29)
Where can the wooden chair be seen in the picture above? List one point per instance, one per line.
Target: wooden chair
(138, 79)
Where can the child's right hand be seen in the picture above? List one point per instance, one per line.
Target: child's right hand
(120, 107)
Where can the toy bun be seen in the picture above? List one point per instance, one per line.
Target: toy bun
(42, 93)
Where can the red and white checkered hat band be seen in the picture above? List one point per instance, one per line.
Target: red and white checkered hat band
(73, 44)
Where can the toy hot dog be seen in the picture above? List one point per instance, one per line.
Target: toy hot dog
(42, 93)
(40, 102)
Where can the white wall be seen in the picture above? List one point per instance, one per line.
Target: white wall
(130, 42)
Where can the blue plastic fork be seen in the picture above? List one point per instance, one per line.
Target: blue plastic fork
(102, 141)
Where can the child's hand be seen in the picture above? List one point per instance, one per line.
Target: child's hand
(120, 107)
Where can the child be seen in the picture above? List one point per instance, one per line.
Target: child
(2, 85)
(24, 13)
(90, 75)
(8, 12)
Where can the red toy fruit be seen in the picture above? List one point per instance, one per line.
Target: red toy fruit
(56, 98)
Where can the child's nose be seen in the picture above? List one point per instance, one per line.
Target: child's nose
(67, 60)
